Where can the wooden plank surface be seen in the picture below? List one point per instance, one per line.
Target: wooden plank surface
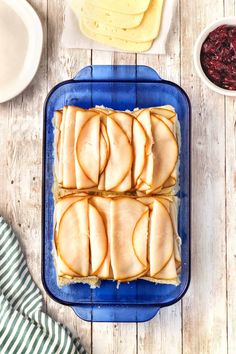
(205, 321)
(230, 227)
(204, 306)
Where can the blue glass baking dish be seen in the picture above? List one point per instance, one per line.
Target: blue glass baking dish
(121, 88)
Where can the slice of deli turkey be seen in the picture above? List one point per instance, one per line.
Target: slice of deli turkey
(161, 238)
(57, 142)
(125, 121)
(169, 271)
(82, 180)
(103, 207)
(165, 152)
(121, 156)
(73, 237)
(146, 176)
(88, 148)
(98, 240)
(61, 147)
(63, 269)
(104, 148)
(139, 147)
(60, 209)
(125, 214)
(140, 238)
(69, 180)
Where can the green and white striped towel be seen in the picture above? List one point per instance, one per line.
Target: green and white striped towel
(24, 328)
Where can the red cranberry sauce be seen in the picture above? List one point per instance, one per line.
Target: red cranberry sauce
(218, 57)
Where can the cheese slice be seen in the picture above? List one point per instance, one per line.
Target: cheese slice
(109, 17)
(122, 6)
(146, 31)
(125, 213)
(125, 45)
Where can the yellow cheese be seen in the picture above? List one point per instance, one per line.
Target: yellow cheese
(124, 6)
(128, 46)
(146, 31)
(111, 18)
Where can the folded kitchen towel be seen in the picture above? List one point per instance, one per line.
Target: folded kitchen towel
(24, 328)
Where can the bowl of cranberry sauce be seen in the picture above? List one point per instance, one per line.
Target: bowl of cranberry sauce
(215, 56)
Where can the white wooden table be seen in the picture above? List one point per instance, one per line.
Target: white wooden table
(205, 320)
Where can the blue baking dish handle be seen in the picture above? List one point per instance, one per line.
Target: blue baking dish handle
(116, 313)
(111, 73)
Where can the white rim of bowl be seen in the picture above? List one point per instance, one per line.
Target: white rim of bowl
(197, 52)
(31, 20)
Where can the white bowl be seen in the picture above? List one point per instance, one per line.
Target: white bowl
(197, 51)
(29, 68)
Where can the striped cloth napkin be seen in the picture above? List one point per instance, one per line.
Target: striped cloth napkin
(24, 328)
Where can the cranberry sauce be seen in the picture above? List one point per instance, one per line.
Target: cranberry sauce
(218, 57)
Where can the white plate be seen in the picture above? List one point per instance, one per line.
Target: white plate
(17, 83)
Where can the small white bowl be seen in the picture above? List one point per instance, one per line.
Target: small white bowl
(197, 52)
(30, 66)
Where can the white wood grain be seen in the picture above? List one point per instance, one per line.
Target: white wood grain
(230, 136)
(230, 152)
(204, 306)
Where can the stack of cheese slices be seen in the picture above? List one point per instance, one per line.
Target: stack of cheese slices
(117, 238)
(115, 213)
(112, 151)
(129, 25)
